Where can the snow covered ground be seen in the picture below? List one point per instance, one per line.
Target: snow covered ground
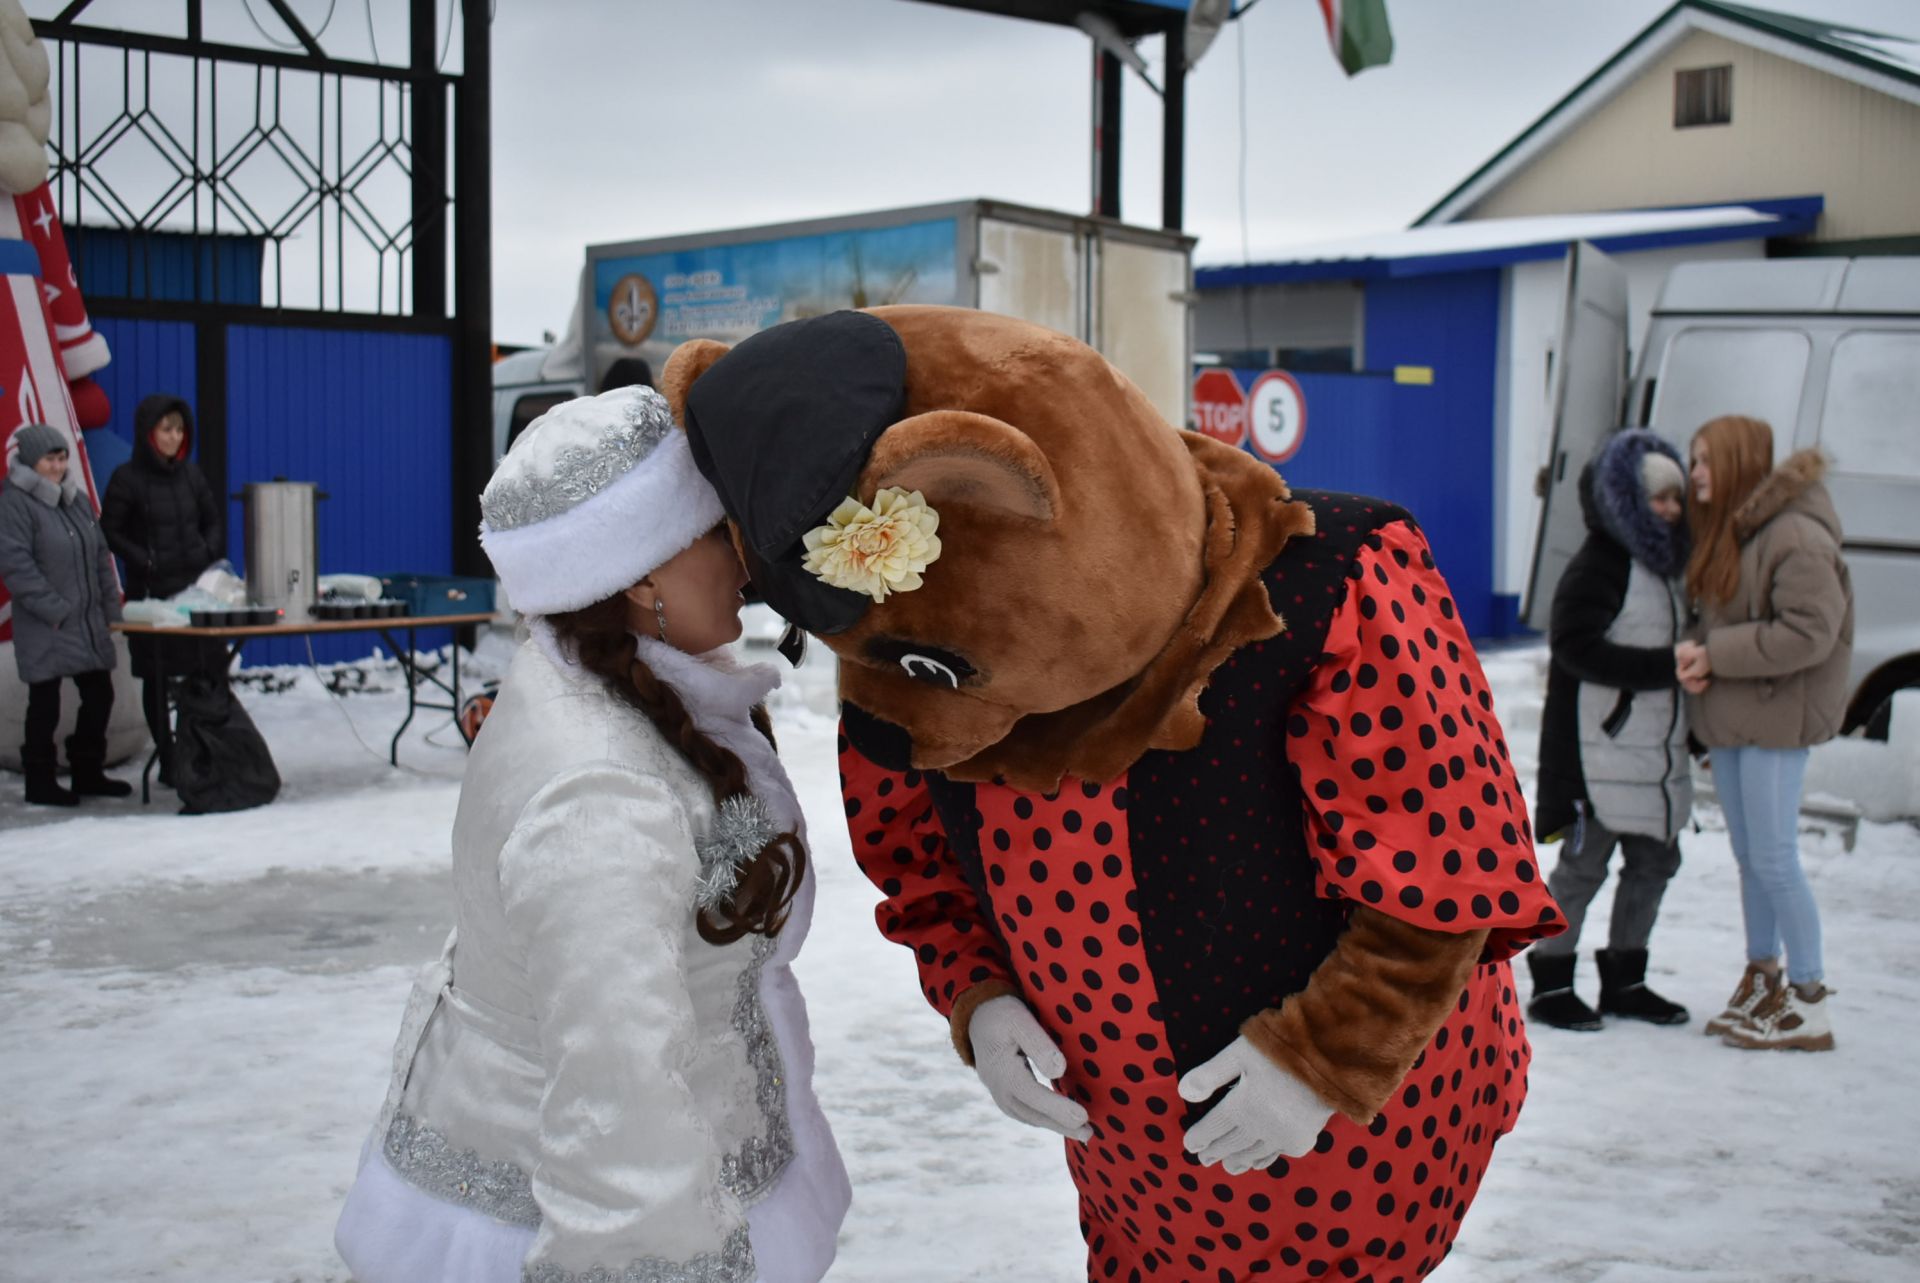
(197, 1016)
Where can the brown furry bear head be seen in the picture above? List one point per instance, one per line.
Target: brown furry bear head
(1095, 564)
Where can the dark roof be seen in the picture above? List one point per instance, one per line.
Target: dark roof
(1131, 17)
(1856, 45)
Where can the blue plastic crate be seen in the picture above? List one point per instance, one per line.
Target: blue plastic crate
(440, 594)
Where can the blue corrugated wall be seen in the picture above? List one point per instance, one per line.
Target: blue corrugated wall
(172, 266)
(1451, 323)
(148, 357)
(366, 417)
(1427, 448)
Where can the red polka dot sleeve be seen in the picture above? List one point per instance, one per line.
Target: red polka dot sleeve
(1412, 801)
(901, 846)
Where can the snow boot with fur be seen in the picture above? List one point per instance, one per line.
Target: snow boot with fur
(1624, 992)
(1554, 1001)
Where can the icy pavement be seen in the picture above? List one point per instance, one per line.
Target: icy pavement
(198, 1014)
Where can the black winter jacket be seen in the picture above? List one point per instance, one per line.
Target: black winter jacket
(160, 516)
(1586, 603)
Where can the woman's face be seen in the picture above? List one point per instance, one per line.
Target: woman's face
(1668, 506)
(698, 590)
(52, 465)
(1701, 475)
(168, 434)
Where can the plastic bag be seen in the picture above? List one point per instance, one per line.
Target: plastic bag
(221, 585)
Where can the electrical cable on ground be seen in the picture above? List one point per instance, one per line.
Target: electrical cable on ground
(341, 704)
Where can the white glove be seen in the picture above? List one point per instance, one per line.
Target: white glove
(1008, 1047)
(1268, 1114)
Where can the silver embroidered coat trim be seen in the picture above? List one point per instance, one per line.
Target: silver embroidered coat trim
(426, 1158)
(749, 1173)
(430, 1161)
(733, 1263)
(741, 827)
(580, 472)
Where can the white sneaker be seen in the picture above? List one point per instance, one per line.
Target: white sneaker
(1785, 1021)
(1756, 985)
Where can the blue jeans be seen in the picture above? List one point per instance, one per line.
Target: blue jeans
(1759, 790)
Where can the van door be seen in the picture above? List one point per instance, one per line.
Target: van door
(1589, 375)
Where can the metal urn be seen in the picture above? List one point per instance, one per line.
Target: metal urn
(283, 564)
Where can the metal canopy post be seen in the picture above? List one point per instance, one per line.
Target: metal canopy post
(1173, 147)
(473, 306)
(1108, 80)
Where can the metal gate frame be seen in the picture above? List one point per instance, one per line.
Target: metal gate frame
(433, 102)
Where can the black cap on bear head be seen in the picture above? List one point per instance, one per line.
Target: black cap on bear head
(781, 426)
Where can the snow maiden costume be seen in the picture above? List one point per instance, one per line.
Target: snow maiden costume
(584, 1088)
(1184, 790)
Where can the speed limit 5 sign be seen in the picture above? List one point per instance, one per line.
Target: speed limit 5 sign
(1276, 416)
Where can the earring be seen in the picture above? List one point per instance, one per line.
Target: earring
(660, 616)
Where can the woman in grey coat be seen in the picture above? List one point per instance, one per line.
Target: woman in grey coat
(65, 594)
(1614, 770)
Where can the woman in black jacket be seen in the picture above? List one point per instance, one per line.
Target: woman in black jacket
(162, 520)
(1614, 769)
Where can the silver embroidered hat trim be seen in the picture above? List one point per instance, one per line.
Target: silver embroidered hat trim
(751, 1171)
(733, 1263)
(580, 472)
(427, 1159)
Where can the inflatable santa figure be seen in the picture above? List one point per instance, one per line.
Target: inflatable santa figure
(48, 349)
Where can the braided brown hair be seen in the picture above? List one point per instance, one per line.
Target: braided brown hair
(602, 638)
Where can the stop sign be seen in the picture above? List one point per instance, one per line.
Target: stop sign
(1219, 406)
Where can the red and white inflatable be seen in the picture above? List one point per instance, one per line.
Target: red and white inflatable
(48, 348)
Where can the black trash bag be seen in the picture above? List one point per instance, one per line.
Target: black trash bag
(220, 762)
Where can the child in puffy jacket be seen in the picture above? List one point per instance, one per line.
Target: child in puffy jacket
(1614, 769)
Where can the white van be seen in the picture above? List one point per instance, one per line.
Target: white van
(1827, 350)
(523, 390)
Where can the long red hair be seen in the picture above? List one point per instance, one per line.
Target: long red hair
(1739, 457)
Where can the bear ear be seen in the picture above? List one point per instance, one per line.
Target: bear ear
(689, 361)
(970, 460)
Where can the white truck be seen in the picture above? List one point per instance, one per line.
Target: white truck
(1125, 290)
(1827, 351)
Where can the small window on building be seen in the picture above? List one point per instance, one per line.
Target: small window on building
(1702, 96)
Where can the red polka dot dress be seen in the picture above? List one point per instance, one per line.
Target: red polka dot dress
(1355, 759)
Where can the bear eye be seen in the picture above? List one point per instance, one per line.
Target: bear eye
(933, 665)
(923, 668)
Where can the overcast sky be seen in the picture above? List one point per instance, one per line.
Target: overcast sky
(623, 119)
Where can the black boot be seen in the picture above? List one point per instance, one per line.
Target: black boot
(1554, 1001)
(43, 782)
(90, 778)
(1624, 992)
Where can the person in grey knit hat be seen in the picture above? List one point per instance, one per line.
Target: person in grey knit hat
(55, 564)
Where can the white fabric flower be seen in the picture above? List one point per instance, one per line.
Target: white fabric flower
(877, 550)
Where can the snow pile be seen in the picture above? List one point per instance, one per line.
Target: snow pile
(1882, 779)
(200, 1012)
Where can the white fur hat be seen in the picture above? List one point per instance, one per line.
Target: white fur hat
(1659, 474)
(594, 495)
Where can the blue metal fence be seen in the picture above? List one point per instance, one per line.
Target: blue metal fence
(364, 416)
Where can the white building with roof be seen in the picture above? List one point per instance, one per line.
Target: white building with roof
(1799, 138)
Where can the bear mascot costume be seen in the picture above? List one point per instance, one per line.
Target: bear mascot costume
(1186, 791)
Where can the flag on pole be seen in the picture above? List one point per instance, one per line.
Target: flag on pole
(1358, 32)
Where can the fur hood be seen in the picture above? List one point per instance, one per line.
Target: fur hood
(1614, 500)
(1793, 486)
